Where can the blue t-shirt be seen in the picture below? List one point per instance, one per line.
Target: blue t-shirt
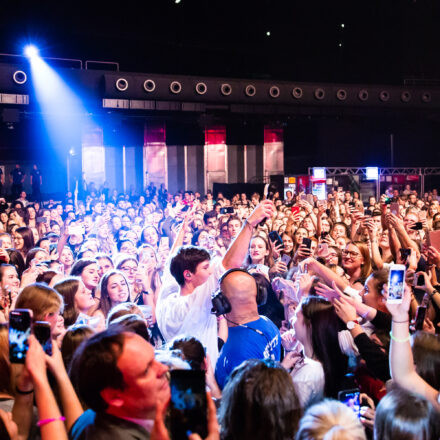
(243, 344)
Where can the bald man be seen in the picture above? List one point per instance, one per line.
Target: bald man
(251, 336)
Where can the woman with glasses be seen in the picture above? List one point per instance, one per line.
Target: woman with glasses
(128, 265)
(356, 262)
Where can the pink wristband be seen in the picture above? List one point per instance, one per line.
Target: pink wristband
(46, 421)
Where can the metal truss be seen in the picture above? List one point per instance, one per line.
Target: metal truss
(354, 171)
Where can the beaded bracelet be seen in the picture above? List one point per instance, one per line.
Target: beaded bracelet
(46, 421)
(399, 339)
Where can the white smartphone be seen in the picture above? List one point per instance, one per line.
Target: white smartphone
(396, 283)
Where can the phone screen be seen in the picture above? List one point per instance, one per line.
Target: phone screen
(295, 210)
(351, 398)
(396, 283)
(285, 259)
(275, 238)
(188, 404)
(307, 242)
(19, 332)
(42, 333)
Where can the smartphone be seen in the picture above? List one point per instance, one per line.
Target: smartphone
(307, 242)
(52, 247)
(228, 210)
(295, 210)
(185, 208)
(351, 398)
(421, 312)
(274, 237)
(164, 242)
(388, 201)
(324, 234)
(404, 253)
(42, 333)
(40, 220)
(368, 213)
(323, 249)
(418, 226)
(19, 331)
(419, 280)
(434, 239)
(285, 259)
(395, 208)
(188, 406)
(396, 283)
(352, 204)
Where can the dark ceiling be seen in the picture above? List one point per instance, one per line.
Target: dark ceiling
(364, 41)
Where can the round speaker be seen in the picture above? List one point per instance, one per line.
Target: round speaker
(426, 97)
(297, 92)
(274, 92)
(341, 95)
(122, 84)
(19, 77)
(149, 85)
(250, 90)
(201, 88)
(405, 96)
(363, 95)
(384, 95)
(226, 89)
(175, 87)
(319, 94)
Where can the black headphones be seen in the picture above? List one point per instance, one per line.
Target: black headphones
(221, 304)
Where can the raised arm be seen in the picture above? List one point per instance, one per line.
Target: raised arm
(238, 249)
(69, 400)
(402, 367)
(51, 421)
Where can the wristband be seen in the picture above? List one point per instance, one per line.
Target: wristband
(433, 293)
(43, 422)
(400, 322)
(23, 392)
(399, 339)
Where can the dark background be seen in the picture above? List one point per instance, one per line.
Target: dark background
(381, 42)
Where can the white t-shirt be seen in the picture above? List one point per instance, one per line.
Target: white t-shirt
(191, 314)
(308, 380)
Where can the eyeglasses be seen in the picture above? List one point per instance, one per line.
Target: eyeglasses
(129, 269)
(349, 254)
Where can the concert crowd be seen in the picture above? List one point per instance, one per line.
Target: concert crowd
(281, 306)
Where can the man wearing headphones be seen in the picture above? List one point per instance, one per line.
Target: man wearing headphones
(185, 307)
(251, 336)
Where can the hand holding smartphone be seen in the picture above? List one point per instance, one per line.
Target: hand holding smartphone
(396, 283)
(20, 321)
(188, 406)
(351, 398)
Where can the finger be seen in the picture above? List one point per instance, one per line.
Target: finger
(213, 427)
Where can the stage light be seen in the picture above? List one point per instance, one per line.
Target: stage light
(342, 25)
(268, 33)
(372, 173)
(31, 51)
(319, 173)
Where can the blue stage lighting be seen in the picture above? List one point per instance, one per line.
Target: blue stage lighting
(31, 51)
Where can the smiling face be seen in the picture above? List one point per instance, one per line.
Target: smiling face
(352, 258)
(117, 289)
